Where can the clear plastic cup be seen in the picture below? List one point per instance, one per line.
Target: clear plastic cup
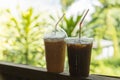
(79, 56)
(55, 47)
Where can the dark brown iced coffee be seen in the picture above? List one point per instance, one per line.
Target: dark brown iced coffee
(79, 54)
(55, 51)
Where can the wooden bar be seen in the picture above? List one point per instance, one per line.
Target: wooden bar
(12, 71)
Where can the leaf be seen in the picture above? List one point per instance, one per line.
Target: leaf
(52, 17)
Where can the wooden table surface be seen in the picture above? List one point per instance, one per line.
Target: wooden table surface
(12, 71)
(103, 77)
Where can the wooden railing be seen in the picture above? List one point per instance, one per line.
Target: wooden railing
(11, 71)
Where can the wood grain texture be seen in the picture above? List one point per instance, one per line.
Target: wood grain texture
(11, 71)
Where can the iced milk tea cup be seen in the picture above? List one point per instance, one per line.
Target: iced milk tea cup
(55, 47)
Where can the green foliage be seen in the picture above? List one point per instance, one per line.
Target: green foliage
(66, 3)
(24, 36)
(108, 66)
(105, 18)
(69, 25)
(110, 3)
(114, 61)
(21, 35)
(105, 23)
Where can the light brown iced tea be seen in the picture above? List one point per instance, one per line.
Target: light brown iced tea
(55, 55)
(55, 51)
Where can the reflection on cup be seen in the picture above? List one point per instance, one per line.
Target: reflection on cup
(55, 51)
(79, 54)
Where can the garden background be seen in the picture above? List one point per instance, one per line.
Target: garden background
(24, 22)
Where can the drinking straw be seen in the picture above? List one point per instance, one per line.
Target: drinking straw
(58, 22)
(82, 19)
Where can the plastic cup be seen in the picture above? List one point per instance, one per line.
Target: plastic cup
(55, 47)
(79, 56)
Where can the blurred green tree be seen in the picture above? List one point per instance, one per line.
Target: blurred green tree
(106, 20)
(24, 36)
(66, 3)
(69, 25)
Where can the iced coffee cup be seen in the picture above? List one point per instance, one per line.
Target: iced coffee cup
(55, 51)
(79, 56)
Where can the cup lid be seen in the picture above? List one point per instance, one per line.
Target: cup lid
(75, 40)
(58, 34)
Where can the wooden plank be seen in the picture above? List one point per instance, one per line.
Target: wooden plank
(30, 72)
(117, 77)
(25, 72)
(99, 77)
